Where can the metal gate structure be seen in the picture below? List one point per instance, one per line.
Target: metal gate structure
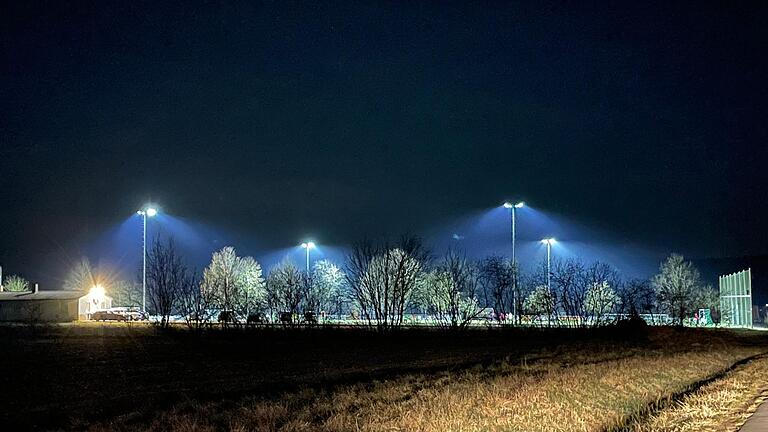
(736, 299)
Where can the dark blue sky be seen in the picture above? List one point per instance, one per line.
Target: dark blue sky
(351, 119)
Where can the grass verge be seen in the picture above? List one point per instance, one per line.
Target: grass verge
(722, 405)
(563, 391)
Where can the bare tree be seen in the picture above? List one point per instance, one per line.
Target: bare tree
(286, 291)
(601, 299)
(167, 277)
(382, 279)
(498, 277)
(195, 304)
(678, 287)
(234, 284)
(570, 286)
(541, 301)
(450, 291)
(327, 290)
(126, 293)
(252, 294)
(637, 297)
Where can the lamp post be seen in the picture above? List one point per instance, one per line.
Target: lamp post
(148, 212)
(549, 242)
(308, 246)
(512, 212)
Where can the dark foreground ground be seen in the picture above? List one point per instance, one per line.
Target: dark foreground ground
(64, 377)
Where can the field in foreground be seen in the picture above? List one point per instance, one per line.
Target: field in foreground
(122, 378)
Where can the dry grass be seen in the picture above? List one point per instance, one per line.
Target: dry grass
(723, 405)
(574, 391)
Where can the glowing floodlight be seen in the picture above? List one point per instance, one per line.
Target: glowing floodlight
(97, 292)
(549, 241)
(521, 204)
(308, 246)
(508, 205)
(151, 212)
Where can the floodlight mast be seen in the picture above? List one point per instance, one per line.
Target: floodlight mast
(513, 221)
(513, 217)
(147, 212)
(549, 242)
(308, 246)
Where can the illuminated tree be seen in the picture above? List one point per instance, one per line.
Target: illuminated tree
(15, 283)
(252, 295)
(449, 292)
(382, 280)
(572, 281)
(678, 288)
(327, 293)
(234, 284)
(600, 300)
(540, 301)
(80, 277)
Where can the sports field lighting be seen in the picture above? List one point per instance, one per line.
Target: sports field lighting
(147, 212)
(513, 216)
(549, 242)
(308, 246)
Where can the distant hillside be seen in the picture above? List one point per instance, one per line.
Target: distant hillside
(711, 268)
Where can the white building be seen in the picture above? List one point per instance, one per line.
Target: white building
(51, 306)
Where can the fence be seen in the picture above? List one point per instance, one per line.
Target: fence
(736, 299)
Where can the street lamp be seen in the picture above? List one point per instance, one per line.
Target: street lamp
(512, 213)
(308, 246)
(147, 212)
(549, 242)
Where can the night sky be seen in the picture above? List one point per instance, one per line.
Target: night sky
(278, 120)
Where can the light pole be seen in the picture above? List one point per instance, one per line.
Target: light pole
(148, 212)
(308, 246)
(512, 212)
(549, 242)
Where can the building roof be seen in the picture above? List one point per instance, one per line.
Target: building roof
(41, 295)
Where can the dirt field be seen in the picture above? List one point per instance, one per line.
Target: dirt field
(118, 377)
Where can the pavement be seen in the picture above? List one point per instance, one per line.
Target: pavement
(758, 422)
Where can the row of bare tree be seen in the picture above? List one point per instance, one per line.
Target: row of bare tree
(383, 283)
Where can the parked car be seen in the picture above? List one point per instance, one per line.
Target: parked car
(108, 315)
(131, 313)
